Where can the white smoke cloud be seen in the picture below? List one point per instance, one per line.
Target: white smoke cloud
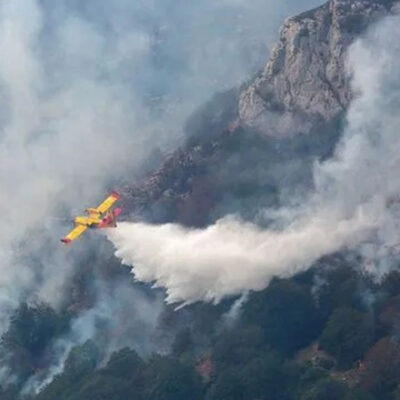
(87, 89)
(350, 208)
(231, 256)
(231, 317)
(57, 144)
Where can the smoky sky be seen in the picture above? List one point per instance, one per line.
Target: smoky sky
(87, 90)
(194, 48)
(354, 203)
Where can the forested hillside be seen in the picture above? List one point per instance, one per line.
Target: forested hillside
(311, 138)
(327, 334)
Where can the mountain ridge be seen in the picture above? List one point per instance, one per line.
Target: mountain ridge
(305, 83)
(297, 102)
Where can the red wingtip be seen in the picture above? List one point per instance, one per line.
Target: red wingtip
(66, 241)
(117, 211)
(115, 194)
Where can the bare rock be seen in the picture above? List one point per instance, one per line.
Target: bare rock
(305, 83)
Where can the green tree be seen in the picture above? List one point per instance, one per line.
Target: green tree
(123, 377)
(237, 346)
(287, 314)
(308, 378)
(228, 386)
(347, 336)
(80, 363)
(81, 360)
(358, 394)
(326, 389)
(183, 342)
(31, 331)
(266, 378)
(169, 379)
(381, 368)
(101, 387)
(340, 287)
(126, 364)
(32, 328)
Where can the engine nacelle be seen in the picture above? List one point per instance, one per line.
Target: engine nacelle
(92, 211)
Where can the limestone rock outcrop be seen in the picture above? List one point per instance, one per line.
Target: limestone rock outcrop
(305, 83)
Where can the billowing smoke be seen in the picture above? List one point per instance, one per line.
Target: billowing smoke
(61, 139)
(352, 206)
(87, 90)
(122, 316)
(231, 256)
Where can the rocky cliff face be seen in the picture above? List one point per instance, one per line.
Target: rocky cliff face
(295, 103)
(304, 84)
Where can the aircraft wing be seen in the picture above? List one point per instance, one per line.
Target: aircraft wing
(108, 202)
(77, 231)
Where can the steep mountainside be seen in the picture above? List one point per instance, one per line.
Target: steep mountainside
(289, 114)
(328, 333)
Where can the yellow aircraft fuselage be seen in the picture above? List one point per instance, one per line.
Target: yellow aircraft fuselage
(100, 217)
(87, 221)
(94, 217)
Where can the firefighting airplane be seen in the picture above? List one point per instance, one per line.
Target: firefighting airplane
(100, 217)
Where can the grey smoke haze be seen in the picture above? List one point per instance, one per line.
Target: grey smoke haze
(352, 205)
(87, 89)
(122, 316)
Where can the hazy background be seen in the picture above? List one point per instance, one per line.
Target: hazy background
(354, 204)
(87, 90)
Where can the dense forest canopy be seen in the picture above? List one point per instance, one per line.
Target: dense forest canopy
(329, 333)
